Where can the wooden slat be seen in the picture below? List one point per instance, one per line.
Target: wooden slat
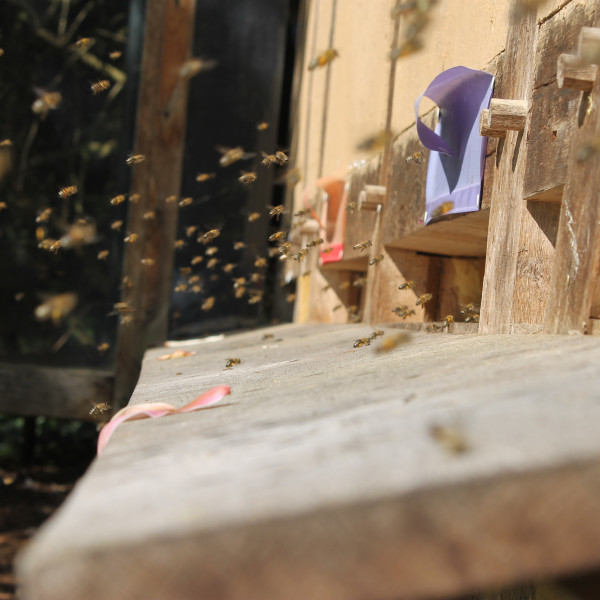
(160, 136)
(319, 478)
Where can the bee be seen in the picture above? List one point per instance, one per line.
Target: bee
(238, 245)
(306, 273)
(185, 270)
(117, 199)
(253, 217)
(45, 102)
(407, 285)
(376, 142)
(376, 259)
(194, 279)
(182, 287)
(6, 143)
(352, 206)
(84, 43)
(100, 86)
(231, 155)
(522, 7)
(467, 309)
(344, 286)
(409, 47)
(336, 307)
(178, 244)
(149, 215)
(393, 341)
(302, 213)
(56, 307)
(447, 320)
(422, 300)
(281, 157)
(193, 66)
(135, 159)
(3, 206)
(315, 242)
(147, 262)
(400, 309)
(211, 250)
(472, 319)
(126, 282)
(229, 267)
(239, 282)
(247, 177)
(202, 177)
(416, 157)
(362, 245)
(208, 303)
(267, 336)
(196, 289)
(131, 238)
(185, 202)
(197, 260)
(290, 298)
(442, 209)
(44, 216)
(115, 55)
(433, 328)
(80, 233)
(239, 291)
(19, 296)
(260, 263)
(134, 198)
(232, 362)
(209, 236)
(171, 199)
(50, 245)
(290, 177)
(359, 343)
(279, 235)
(359, 282)
(277, 210)
(323, 58)
(189, 231)
(255, 298)
(99, 409)
(268, 159)
(1, 52)
(65, 192)
(212, 263)
(262, 126)
(451, 438)
(301, 255)
(102, 348)
(256, 277)
(376, 333)
(284, 248)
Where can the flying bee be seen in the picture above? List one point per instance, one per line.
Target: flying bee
(189, 231)
(260, 263)
(416, 157)
(376, 259)
(202, 177)
(306, 273)
(407, 285)
(193, 66)
(336, 307)
(147, 262)
(197, 260)
(103, 255)
(182, 287)
(376, 333)
(131, 238)
(253, 217)
(209, 236)
(451, 438)
(208, 303)
(376, 142)
(352, 206)
(362, 245)
(229, 267)
(178, 244)
(211, 263)
(302, 213)
(116, 225)
(238, 245)
(359, 282)
(443, 209)
(323, 58)
(102, 348)
(400, 309)
(100, 86)
(262, 126)
(359, 343)
(284, 248)
(50, 245)
(211, 250)
(185, 270)
(196, 288)
(3, 206)
(231, 155)
(232, 362)
(80, 233)
(135, 159)
(301, 255)
(277, 210)
(44, 215)
(149, 215)
(290, 177)
(256, 277)
(393, 341)
(255, 298)
(67, 191)
(247, 177)
(45, 102)
(84, 43)
(279, 235)
(171, 199)
(268, 159)
(239, 282)
(344, 286)
(194, 279)
(315, 242)
(185, 202)
(290, 298)
(422, 300)
(115, 55)
(6, 143)
(281, 157)
(134, 198)
(118, 199)
(56, 307)
(99, 409)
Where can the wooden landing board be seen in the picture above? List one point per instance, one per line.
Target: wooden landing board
(319, 478)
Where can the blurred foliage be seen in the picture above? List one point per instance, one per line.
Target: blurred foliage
(60, 134)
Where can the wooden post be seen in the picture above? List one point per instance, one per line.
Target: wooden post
(160, 136)
(502, 116)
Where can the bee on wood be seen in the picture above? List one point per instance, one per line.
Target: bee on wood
(326, 287)
(65, 192)
(131, 238)
(232, 362)
(447, 320)
(376, 259)
(352, 206)
(202, 177)
(362, 245)
(56, 307)
(185, 202)
(44, 215)
(267, 336)
(262, 126)
(211, 250)
(247, 177)
(323, 58)
(451, 438)
(116, 225)
(376, 142)
(416, 157)
(102, 255)
(102, 348)
(359, 343)
(231, 155)
(209, 236)
(208, 303)
(171, 199)
(467, 309)
(260, 263)
(422, 300)
(315, 242)
(193, 66)
(407, 285)
(301, 255)
(135, 159)
(211, 263)
(100, 86)
(277, 210)
(149, 215)
(279, 235)
(442, 209)
(118, 199)
(99, 409)
(3, 206)
(290, 298)
(115, 54)
(393, 341)
(433, 328)
(84, 43)
(472, 319)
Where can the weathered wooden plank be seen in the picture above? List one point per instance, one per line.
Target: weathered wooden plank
(303, 486)
(507, 198)
(461, 282)
(32, 390)
(160, 136)
(576, 265)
